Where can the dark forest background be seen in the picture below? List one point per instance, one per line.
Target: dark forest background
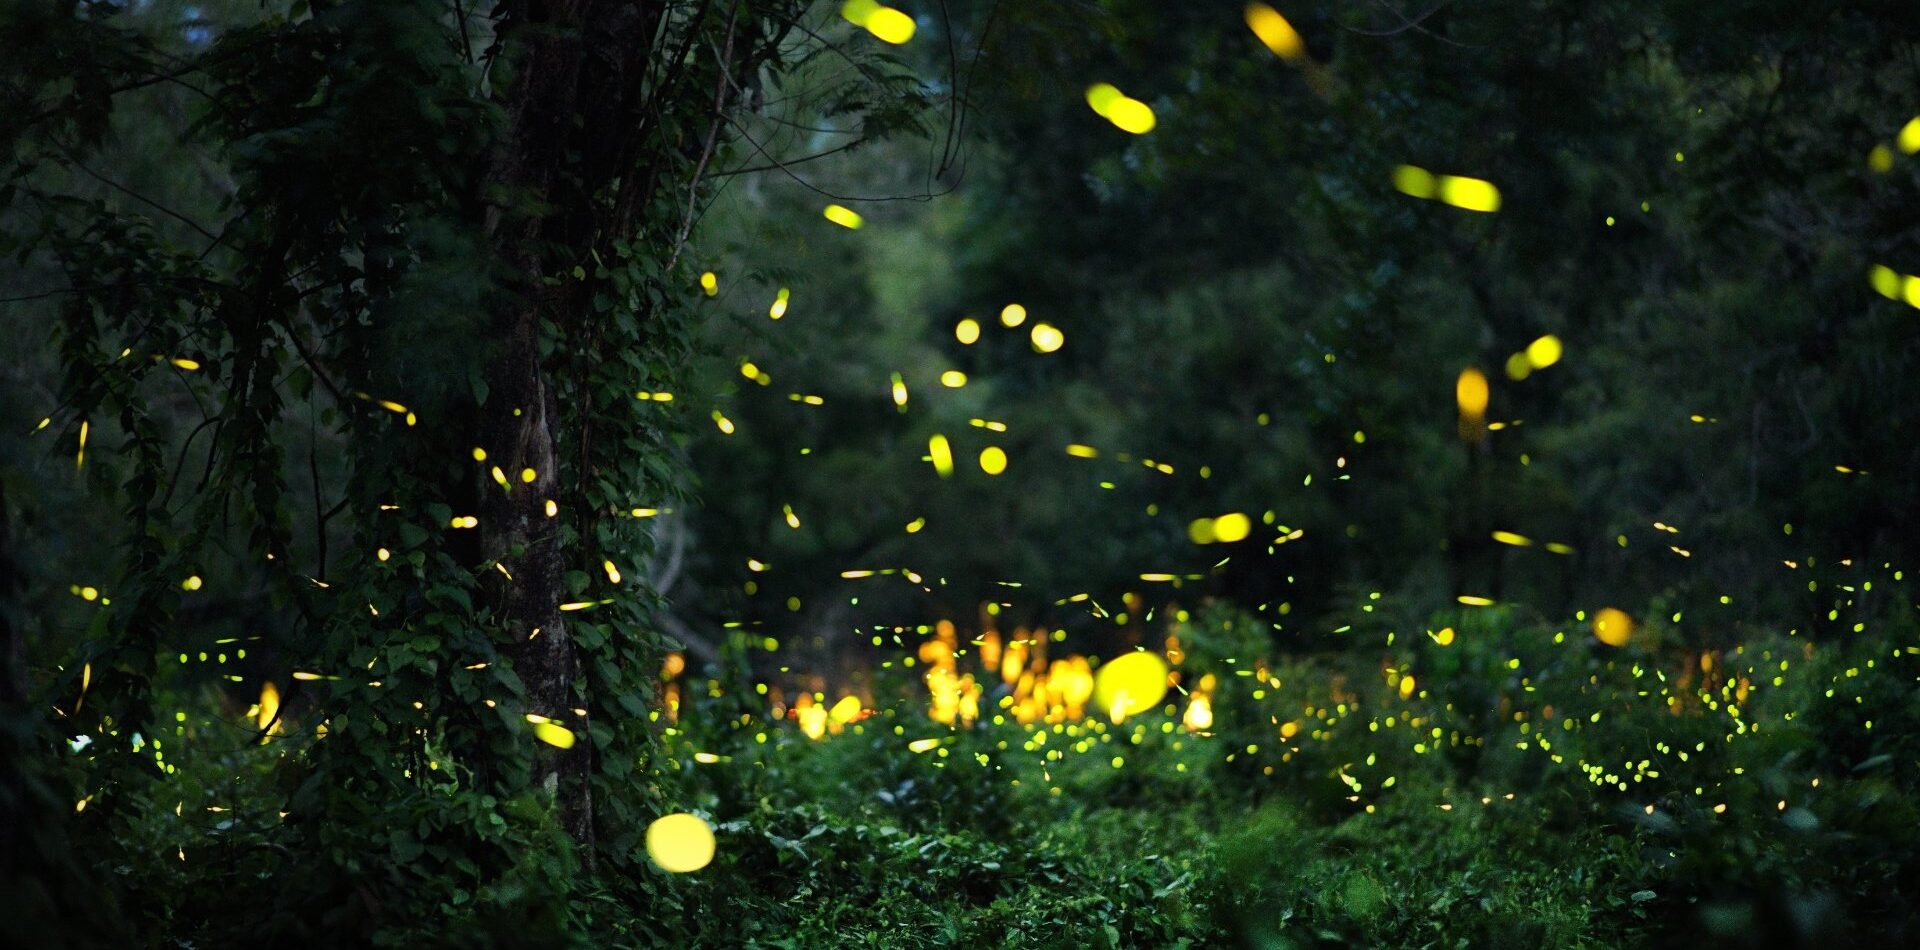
(311, 282)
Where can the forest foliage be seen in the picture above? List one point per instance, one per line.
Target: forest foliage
(362, 345)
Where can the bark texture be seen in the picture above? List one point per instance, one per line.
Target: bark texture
(597, 95)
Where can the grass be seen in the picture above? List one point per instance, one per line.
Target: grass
(1535, 788)
(1531, 787)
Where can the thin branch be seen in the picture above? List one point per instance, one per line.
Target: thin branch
(313, 364)
(141, 83)
(466, 43)
(782, 166)
(725, 63)
(1407, 23)
(181, 462)
(949, 145)
(313, 474)
(143, 199)
(790, 162)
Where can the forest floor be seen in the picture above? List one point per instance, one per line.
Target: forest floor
(1504, 785)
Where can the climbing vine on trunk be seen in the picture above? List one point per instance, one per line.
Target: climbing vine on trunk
(450, 249)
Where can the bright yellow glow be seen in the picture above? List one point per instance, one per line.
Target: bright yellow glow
(889, 25)
(721, 422)
(1225, 529)
(967, 331)
(1101, 96)
(942, 454)
(1414, 180)
(1012, 315)
(553, 734)
(899, 391)
(1612, 626)
(779, 308)
(1474, 600)
(1130, 683)
(1407, 686)
(613, 573)
(812, 719)
(1046, 338)
(1199, 714)
(1909, 139)
(1131, 115)
(914, 526)
(680, 843)
(953, 379)
(1444, 637)
(1508, 537)
(993, 460)
(1885, 281)
(528, 476)
(186, 364)
(857, 11)
(923, 745)
(269, 705)
(1471, 194)
(1274, 31)
(750, 370)
(1518, 368)
(844, 217)
(1544, 352)
(846, 710)
(710, 282)
(1470, 391)
(1082, 451)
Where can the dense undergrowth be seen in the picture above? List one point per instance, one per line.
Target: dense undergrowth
(1532, 787)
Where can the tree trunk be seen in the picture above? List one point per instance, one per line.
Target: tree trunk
(543, 48)
(608, 108)
(519, 536)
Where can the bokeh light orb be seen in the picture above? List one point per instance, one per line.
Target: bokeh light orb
(1129, 684)
(1612, 626)
(1233, 527)
(680, 842)
(1470, 390)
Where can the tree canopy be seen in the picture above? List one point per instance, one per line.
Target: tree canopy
(761, 471)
